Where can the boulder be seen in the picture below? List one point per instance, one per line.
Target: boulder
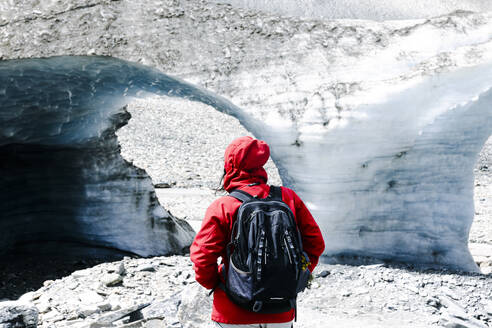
(18, 315)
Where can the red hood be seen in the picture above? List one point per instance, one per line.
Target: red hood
(243, 162)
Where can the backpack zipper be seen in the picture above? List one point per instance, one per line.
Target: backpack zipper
(260, 254)
(266, 249)
(291, 246)
(288, 250)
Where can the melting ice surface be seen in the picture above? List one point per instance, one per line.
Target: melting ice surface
(394, 182)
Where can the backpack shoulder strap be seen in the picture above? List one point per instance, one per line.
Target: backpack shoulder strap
(275, 193)
(240, 195)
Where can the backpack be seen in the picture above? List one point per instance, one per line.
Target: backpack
(267, 265)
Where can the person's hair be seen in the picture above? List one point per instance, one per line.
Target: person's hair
(220, 187)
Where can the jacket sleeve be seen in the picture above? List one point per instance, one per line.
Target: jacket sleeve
(312, 239)
(208, 246)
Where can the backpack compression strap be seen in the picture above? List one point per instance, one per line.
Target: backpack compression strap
(243, 196)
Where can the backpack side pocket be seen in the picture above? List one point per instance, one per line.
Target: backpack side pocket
(303, 280)
(239, 283)
(304, 274)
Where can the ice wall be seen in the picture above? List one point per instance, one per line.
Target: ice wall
(63, 181)
(393, 180)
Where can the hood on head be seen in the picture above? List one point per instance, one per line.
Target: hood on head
(243, 162)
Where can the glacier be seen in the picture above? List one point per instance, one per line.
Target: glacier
(362, 9)
(393, 180)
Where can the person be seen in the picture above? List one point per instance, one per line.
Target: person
(243, 169)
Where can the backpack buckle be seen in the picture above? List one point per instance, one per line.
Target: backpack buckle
(257, 306)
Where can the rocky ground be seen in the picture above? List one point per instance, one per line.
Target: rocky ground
(481, 230)
(180, 143)
(161, 292)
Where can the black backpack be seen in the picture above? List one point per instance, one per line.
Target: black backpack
(267, 265)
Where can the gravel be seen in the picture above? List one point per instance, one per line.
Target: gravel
(376, 295)
(481, 230)
(181, 143)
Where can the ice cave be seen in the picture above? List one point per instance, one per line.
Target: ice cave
(393, 180)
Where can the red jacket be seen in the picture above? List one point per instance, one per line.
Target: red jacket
(244, 160)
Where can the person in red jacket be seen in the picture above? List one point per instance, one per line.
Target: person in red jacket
(244, 159)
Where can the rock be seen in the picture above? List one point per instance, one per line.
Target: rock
(165, 309)
(90, 297)
(81, 273)
(146, 267)
(80, 323)
(107, 319)
(88, 310)
(165, 184)
(14, 314)
(27, 297)
(106, 306)
(386, 276)
(486, 267)
(154, 323)
(52, 316)
(453, 308)
(73, 285)
(361, 291)
(323, 274)
(488, 307)
(121, 269)
(47, 283)
(412, 288)
(195, 305)
(111, 279)
(133, 324)
(450, 293)
(43, 304)
(453, 322)
(456, 323)
(434, 302)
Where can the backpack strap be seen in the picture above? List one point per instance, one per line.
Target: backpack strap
(241, 195)
(275, 193)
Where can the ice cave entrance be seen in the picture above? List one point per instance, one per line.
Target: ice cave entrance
(67, 196)
(185, 161)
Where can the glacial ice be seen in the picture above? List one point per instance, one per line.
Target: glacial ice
(362, 9)
(392, 178)
(395, 179)
(63, 179)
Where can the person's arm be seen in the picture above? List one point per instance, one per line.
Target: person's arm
(312, 239)
(208, 246)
